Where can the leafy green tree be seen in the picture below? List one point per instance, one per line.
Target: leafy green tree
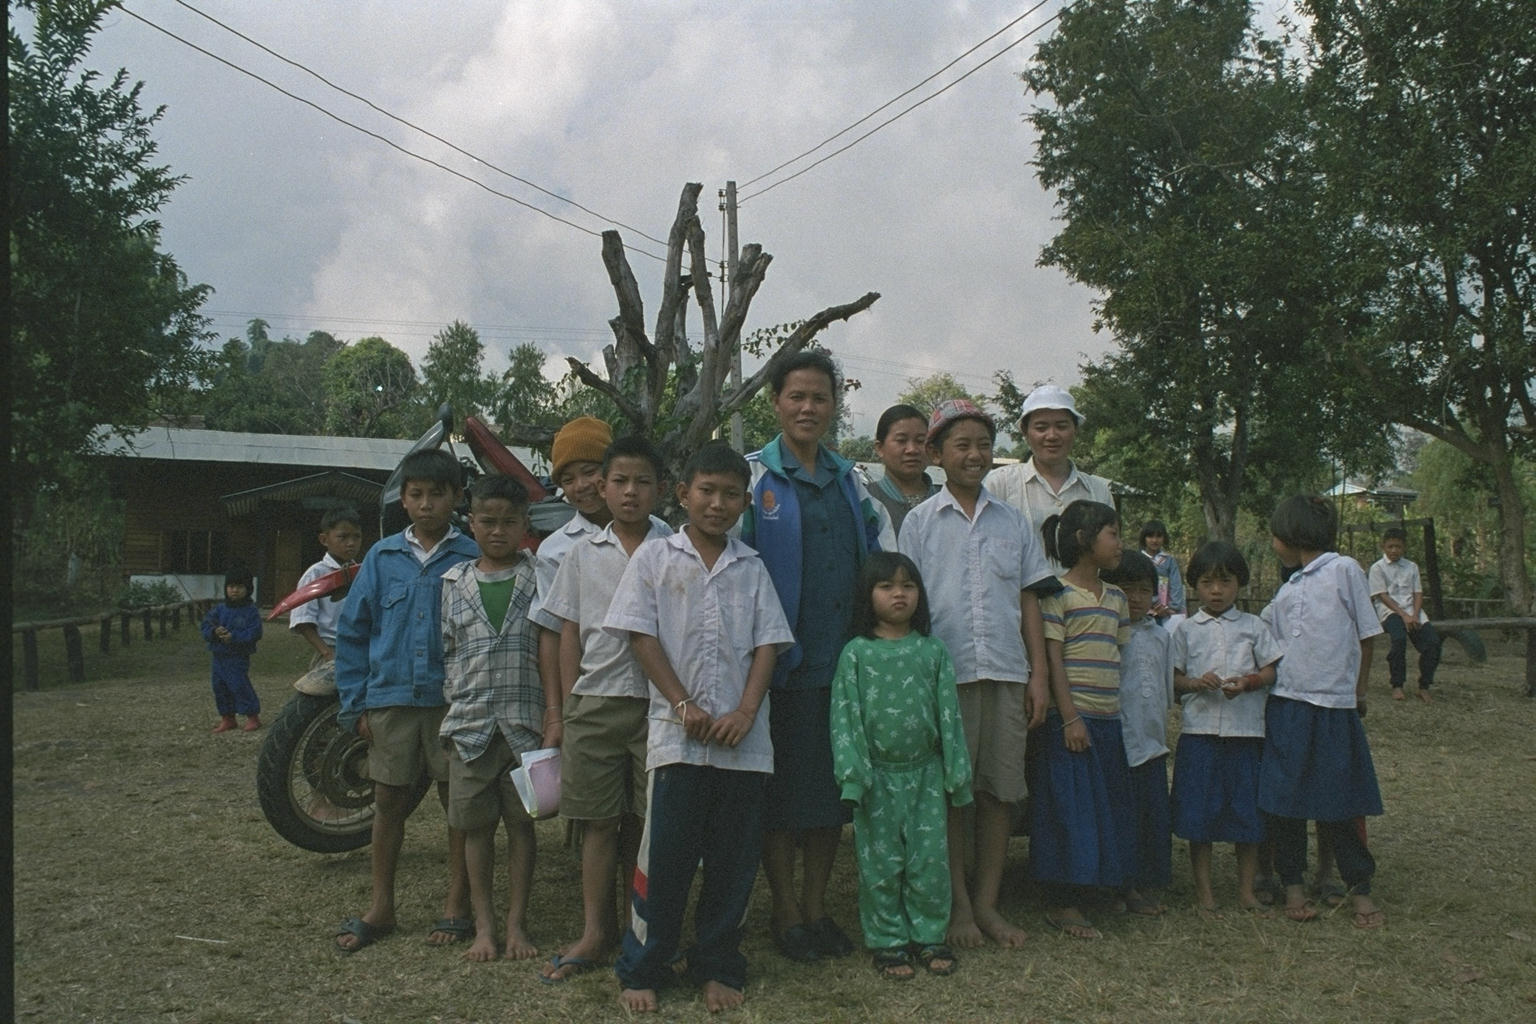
(272, 387)
(1428, 132)
(926, 393)
(370, 389)
(1175, 141)
(453, 372)
(526, 402)
(105, 331)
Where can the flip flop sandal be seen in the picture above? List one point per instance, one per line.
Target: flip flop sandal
(365, 933)
(894, 964)
(1331, 894)
(576, 964)
(830, 939)
(798, 943)
(461, 928)
(930, 957)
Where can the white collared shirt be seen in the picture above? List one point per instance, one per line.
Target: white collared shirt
(582, 593)
(709, 621)
(1232, 644)
(1319, 616)
(1399, 580)
(973, 570)
(552, 551)
(421, 551)
(323, 612)
(1146, 691)
(1022, 486)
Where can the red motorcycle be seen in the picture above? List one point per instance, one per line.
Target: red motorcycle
(311, 775)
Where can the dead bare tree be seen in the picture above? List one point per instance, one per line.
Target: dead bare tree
(639, 369)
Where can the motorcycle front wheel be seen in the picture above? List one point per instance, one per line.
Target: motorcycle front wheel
(312, 778)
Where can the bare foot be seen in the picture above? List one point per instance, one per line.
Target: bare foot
(483, 948)
(1073, 924)
(519, 945)
(1397, 693)
(963, 933)
(1424, 696)
(639, 1000)
(719, 996)
(1138, 903)
(1000, 931)
(1257, 909)
(1208, 911)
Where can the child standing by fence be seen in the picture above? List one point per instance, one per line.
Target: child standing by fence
(232, 628)
(1317, 763)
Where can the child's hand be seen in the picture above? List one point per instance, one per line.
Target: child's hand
(1232, 687)
(1211, 681)
(221, 634)
(363, 729)
(1075, 735)
(696, 722)
(731, 728)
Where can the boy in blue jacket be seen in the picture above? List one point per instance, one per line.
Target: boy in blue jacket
(389, 675)
(232, 629)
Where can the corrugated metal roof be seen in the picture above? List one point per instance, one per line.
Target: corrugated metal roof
(181, 444)
(332, 483)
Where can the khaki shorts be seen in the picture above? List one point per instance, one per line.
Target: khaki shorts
(995, 730)
(405, 742)
(602, 758)
(480, 792)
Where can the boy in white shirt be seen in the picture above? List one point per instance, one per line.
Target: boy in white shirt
(705, 623)
(341, 534)
(1399, 600)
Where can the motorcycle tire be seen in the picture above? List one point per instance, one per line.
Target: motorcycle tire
(311, 778)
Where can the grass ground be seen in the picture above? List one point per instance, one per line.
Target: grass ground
(150, 888)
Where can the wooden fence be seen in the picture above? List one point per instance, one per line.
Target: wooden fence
(163, 617)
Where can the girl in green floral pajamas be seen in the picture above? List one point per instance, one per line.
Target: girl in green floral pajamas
(898, 752)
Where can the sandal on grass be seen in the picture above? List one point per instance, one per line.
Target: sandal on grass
(1304, 911)
(365, 933)
(894, 964)
(1330, 894)
(1367, 920)
(459, 929)
(938, 959)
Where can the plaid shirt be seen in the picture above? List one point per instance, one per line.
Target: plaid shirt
(491, 679)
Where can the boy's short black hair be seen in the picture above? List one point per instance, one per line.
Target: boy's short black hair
(1305, 522)
(718, 457)
(1394, 533)
(432, 466)
(1152, 528)
(634, 447)
(496, 486)
(807, 359)
(894, 415)
(1134, 567)
(338, 514)
(1218, 557)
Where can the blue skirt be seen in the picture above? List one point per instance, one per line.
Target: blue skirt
(1150, 831)
(1216, 789)
(1080, 809)
(802, 793)
(1317, 763)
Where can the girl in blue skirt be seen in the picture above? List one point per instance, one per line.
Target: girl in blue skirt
(1316, 763)
(1081, 798)
(1223, 661)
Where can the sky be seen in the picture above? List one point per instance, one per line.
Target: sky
(306, 223)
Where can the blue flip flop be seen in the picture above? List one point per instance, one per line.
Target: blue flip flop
(367, 934)
(577, 965)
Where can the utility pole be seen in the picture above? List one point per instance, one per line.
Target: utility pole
(728, 205)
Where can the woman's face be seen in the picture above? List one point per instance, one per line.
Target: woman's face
(805, 407)
(1050, 434)
(904, 452)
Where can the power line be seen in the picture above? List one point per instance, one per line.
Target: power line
(415, 127)
(904, 112)
(893, 99)
(375, 135)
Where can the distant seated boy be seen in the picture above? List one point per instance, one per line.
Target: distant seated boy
(389, 676)
(341, 534)
(1399, 599)
(495, 707)
(606, 697)
(232, 628)
(706, 625)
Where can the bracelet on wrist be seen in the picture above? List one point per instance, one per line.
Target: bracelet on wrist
(1072, 721)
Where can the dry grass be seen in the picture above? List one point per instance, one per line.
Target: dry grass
(138, 836)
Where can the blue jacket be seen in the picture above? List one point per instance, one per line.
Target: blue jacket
(244, 624)
(389, 641)
(771, 524)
